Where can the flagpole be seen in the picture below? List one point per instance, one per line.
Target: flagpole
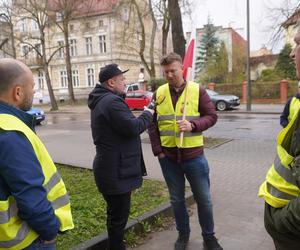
(189, 71)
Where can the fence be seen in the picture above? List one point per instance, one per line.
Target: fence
(261, 92)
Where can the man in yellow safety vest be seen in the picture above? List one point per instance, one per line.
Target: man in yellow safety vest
(34, 204)
(187, 160)
(281, 187)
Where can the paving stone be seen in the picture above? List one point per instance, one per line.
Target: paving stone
(237, 170)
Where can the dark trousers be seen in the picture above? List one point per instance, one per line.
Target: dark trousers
(283, 225)
(118, 207)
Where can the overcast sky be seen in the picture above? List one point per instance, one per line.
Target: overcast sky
(233, 13)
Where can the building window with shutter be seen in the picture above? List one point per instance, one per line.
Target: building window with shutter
(75, 78)
(89, 45)
(90, 77)
(102, 44)
(63, 79)
(40, 79)
(61, 49)
(73, 47)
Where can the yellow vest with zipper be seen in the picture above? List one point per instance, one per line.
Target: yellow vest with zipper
(15, 233)
(294, 108)
(280, 186)
(167, 116)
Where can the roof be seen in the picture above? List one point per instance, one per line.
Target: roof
(87, 7)
(268, 60)
(292, 19)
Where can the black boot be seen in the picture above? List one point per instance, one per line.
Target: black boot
(182, 241)
(211, 243)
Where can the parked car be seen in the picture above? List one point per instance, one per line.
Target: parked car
(132, 87)
(223, 102)
(138, 99)
(38, 114)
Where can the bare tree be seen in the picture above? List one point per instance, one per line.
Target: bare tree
(38, 11)
(177, 29)
(7, 16)
(280, 17)
(66, 10)
(134, 35)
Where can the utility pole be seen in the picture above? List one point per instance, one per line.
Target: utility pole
(248, 61)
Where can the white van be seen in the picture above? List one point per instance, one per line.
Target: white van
(132, 87)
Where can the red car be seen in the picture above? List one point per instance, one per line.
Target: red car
(138, 99)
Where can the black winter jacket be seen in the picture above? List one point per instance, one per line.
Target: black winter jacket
(118, 165)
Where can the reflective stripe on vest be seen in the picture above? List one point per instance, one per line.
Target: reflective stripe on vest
(167, 117)
(280, 186)
(23, 233)
(15, 233)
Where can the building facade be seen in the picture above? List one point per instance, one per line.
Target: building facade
(95, 34)
(235, 44)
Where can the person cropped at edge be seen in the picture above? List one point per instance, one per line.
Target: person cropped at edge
(189, 161)
(281, 190)
(290, 109)
(118, 165)
(34, 203)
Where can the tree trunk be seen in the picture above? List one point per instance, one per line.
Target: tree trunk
(13, 43)
(46, 70)
(68, 62)
(153, 33)
(177, 30)
(165, 29)
(165, 32)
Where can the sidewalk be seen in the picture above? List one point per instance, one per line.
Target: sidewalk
(259, 109)
(237, 169)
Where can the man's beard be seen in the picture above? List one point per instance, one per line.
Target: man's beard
(27, 104)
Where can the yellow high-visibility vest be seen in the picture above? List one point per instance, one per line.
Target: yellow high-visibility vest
(15, 233)
(280, 185)
(294, 108)
(167, 116)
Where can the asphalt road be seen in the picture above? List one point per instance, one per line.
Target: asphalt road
(68, 138)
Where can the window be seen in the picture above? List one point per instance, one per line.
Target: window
(59, 16)
(102, 44)
(88, 45)
(125, 15)
(38, 50)
(25, 51)
(87, 25)
(73, 47)
(71, 27)
(34, 25)
(63, 79)
(61, 50)
(23, 25)
(90, 77)
(101, 23)
(40, 80)
(75, 78)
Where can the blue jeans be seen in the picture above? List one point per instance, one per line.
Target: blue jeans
(196, 172)
(39, 244)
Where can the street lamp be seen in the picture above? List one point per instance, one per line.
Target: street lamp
(248, 61)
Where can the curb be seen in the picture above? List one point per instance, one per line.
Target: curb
(100, 242)
(253, 112)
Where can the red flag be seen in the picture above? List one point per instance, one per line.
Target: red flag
(188, 58)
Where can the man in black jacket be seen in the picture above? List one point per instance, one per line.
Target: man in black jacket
(118, 165)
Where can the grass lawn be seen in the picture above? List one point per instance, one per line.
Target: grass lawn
(89, 209)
